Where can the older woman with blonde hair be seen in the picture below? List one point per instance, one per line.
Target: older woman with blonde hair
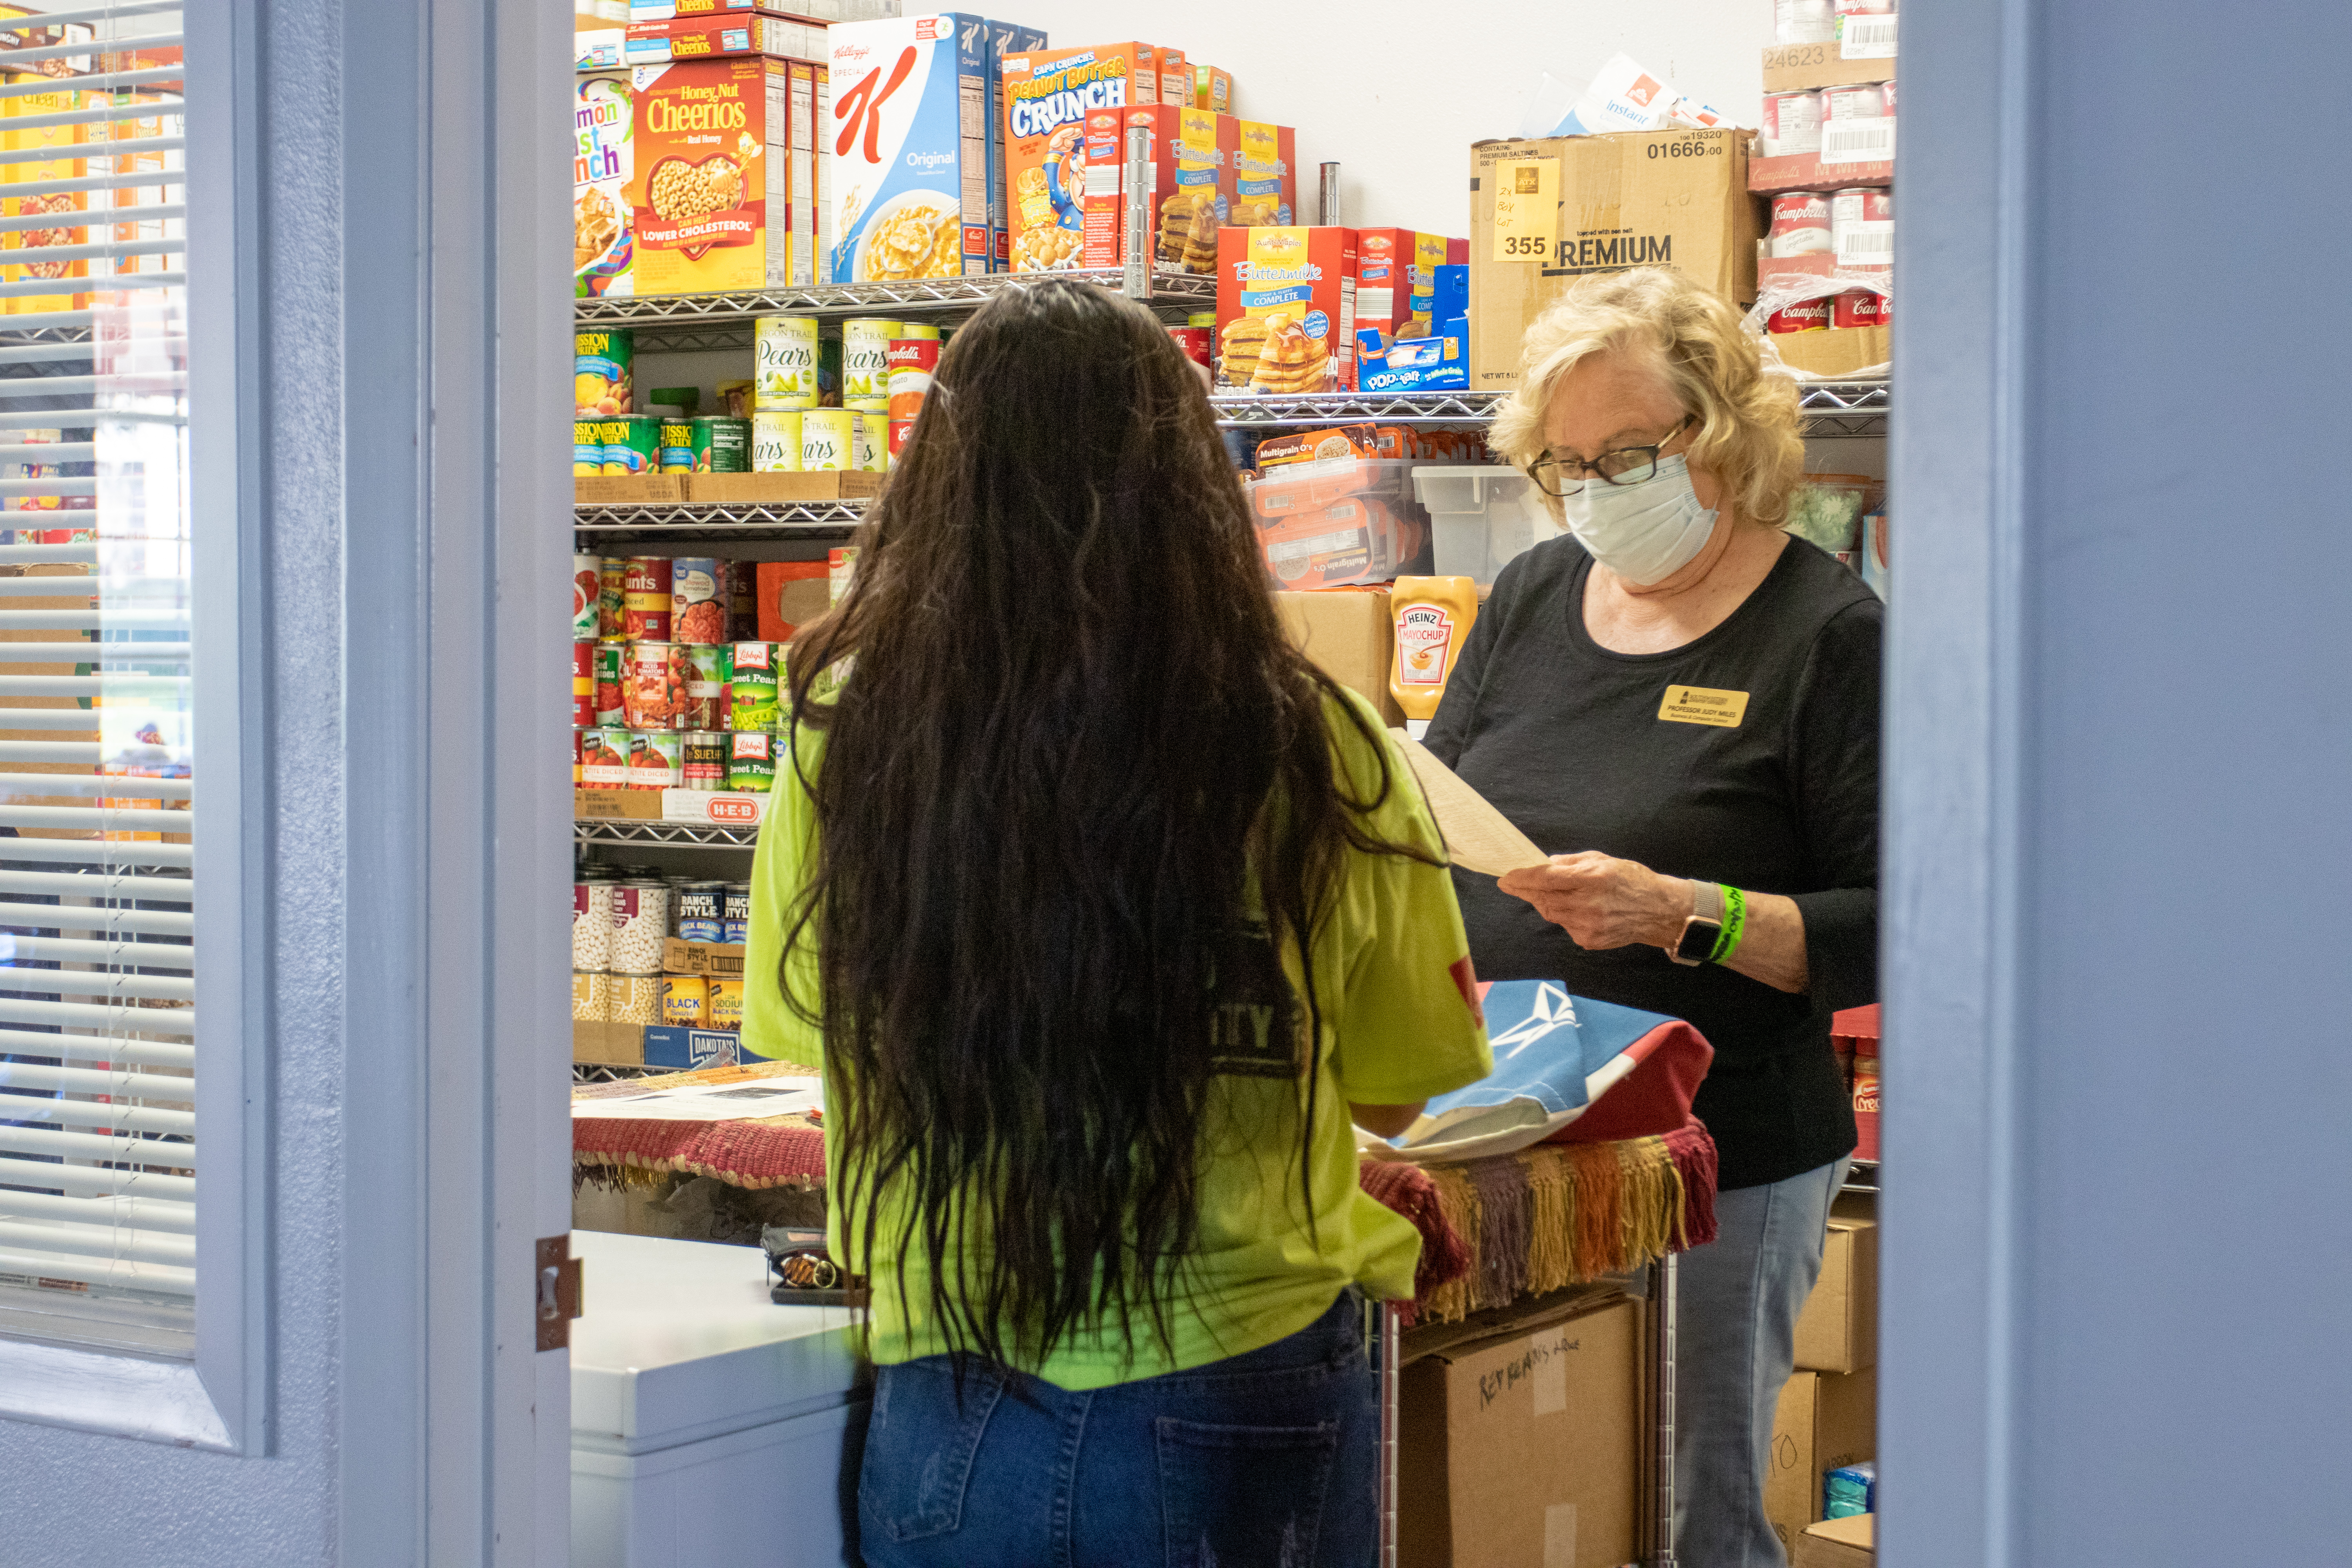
(1684, 698)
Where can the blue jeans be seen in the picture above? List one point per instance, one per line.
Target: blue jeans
(1737, 1300)
(1264, 1460)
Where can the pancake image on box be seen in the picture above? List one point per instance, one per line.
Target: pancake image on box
(1288, 360)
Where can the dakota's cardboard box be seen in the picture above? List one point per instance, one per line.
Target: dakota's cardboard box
(1544, 213)
(906, 172)
(1839, 1543)
(1824, 1420)
(1838, 1330)
(1287, 310)
(1262, 188)
(1525, 1447)
(1348, 634)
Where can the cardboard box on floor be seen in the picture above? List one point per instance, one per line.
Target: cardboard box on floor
(1347, 632)
(1839, 1543)
(1839, 351)
(1546, 212)
(1838, 1330)
(1824, 1420)
(1526, 1447)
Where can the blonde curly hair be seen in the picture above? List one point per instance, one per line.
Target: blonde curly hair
(1746, 416)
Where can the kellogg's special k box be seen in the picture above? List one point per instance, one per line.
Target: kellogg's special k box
(906, 164)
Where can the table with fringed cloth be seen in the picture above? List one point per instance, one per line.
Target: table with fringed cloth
(1493, 1230)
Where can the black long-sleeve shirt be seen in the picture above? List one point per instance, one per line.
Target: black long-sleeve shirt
(1567, 739)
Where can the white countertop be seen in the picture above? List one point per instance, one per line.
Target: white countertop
(678, 1342)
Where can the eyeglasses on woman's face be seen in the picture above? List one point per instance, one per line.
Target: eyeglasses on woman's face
(1564, 474)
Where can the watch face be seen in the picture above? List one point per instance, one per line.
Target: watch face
(1699, 940)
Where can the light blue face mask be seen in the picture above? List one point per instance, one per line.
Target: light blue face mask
(1645, 532)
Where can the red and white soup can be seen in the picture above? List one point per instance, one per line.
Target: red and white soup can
(1800, 225)
(1792, 123)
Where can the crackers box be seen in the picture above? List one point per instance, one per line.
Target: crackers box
(1048, 96)
(905, 166)
(710, 195)
(1287, 310)
(604, 160)
(1574, 205)
(1264, 188)
(1396, 282)
(1190, 150)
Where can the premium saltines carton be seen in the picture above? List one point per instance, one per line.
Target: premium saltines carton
(1287, 310)
(908, 166)
(1048, 95)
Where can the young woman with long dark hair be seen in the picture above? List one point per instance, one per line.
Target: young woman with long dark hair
(1100, 908)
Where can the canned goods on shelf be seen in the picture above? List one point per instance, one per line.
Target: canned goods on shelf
(674, 446)
(644, 603)
(1804, 22)
(640, 926)
(583, 684)
(865, 363)
(1792, 124)
(913, 363)
(737, 908)
(753, 685)
(591, 996)
(700, 906)
(611, 659)
(1804, 316)
(751, 762)
(1800, 224)
(828, 440)
(636, 999)
(705, 754)
(1862, 225)
(611, 596)
(631, 442)
(576, 735)
(841, 564)
(697, 611)
(1194, 342)
(604, 757)
(784, 373)
(723, 1008)
(1861, 308)
(918, 330)
(707, 680)
(653, 697)
(872, 441)
(901, 432)
(1856, 101)
(776, 443)
(722, 444)
(604, 362)
(656, 760)
(592, 925)
(587, 595)
(684, 998)
(587, 447)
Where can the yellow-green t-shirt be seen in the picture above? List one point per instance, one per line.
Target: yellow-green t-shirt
(1400, 1023)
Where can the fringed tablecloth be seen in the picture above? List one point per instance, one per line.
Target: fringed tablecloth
(1492, 1230)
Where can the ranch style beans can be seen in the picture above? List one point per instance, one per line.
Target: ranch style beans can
(776, 443)
(613, 596)
(684, 998)
(866, 363)
(735, 914)
(675, 445)
(707, 680)
(646, 603)
(612, 658)
(587, 595)
(725, 1010)
(828, 440)
(785, 374)
(722, 444)
(698, 613)
(751, 762)
(699, 911)
(583, 684)
(753, 686)
(631, 443)
(705, 754)
(656, 760)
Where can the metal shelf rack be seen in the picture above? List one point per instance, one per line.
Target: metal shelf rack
(1827, 408)
(682, 323)
(686, 521)
(675, 835)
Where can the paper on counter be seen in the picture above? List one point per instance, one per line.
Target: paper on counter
(1478, 837)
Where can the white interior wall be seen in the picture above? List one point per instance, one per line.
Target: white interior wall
(1396, 93)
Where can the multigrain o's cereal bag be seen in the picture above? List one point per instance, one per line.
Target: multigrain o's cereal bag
(906, 165)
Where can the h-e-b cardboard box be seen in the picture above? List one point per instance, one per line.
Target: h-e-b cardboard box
(1546, 212)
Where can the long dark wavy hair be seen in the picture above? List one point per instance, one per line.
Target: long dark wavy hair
(1068, 725)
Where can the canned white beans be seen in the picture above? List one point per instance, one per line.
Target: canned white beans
(640, 927)
(592, 997)
(636, 999)
(592, 925)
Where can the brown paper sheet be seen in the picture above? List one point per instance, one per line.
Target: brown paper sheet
(1478, 837)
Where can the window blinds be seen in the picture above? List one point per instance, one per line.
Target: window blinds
(97, 1148)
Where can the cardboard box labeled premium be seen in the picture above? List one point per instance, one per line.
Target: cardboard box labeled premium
(1544, 213)
(1287, 310)
(908, 166)
(1525, 1447)
(1838, 1329)
(1824, 1420)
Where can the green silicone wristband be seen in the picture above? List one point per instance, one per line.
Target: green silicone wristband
(1735, 926)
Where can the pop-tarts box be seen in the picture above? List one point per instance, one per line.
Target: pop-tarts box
(907, 172)
(1440, 362)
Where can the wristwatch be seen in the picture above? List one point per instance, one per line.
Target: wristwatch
(1703, 928)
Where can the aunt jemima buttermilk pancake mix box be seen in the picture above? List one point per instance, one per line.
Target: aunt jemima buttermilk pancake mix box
(1048, 93)
(1262, 187)
(1396, 281)
(1190, 151)
(907, 155)
(1287, 310)
(710, 194)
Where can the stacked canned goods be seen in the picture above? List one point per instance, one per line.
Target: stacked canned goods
(652, 668)
(621, 924)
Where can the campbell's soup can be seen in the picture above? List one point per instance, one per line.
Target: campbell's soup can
(751, 762)
(776, 443)
(653, 692)
(1887, 90)
(901, 432)
(611, 664)
(1194, 342)
(1859, 101)
(1861, 308)
(913, 363)
(685, 997)
(1792, 123)
(735, 914)
(656, 760)
(613, 597)
(706, 678)
(784, 373)
(1804, 22)
(828, 440)
(918, 330)
(604, 757)
(1800, 224)
(866, 363)
(753, 685)
(1862, 225)
(587, 594)
(698, 614)
(1804, 316)
(725, 1008)
(645, 607)
(583, 684)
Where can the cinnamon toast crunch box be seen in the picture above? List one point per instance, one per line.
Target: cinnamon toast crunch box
(1287, 310)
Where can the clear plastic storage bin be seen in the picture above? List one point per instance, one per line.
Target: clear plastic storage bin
(1481, 516)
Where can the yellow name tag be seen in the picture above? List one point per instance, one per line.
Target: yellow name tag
(1704, 705)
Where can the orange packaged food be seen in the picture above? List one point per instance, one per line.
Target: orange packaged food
(1287, 310)
(1047, 96)
(1189, 152)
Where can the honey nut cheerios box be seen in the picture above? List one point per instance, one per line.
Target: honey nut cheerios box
(46, 154)
(1190, 150)
(906, 149)
(1262, 188)
(1287, 310)
(710, 194)
(1048, 95)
